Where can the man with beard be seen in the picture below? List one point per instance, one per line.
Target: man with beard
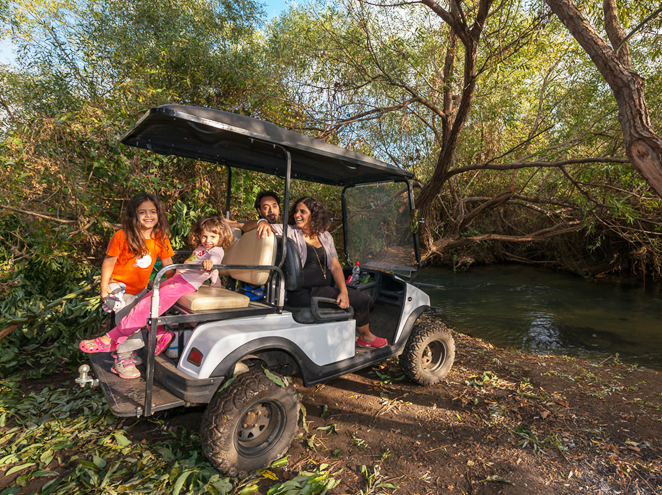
(267, 205)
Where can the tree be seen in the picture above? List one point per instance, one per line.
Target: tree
(85, 71)
(496, 127)
(642, 144)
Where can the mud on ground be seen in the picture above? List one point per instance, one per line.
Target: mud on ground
(502, 422)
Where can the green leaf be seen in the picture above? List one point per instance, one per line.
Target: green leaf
(226, 384)
(122, 441)
(329, 428)
(46, 457)
(280, 462)
(180, 482)
(276, 379)
(42, 472)
(89, 465)
(20, 467)
(387, 484)
(252, 488)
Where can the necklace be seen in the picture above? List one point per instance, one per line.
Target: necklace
(322, 267)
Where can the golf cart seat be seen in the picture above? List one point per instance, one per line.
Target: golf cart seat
(294, 281)
(247, 250)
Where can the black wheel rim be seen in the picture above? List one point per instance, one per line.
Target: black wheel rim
(260, 428)
(433, 357)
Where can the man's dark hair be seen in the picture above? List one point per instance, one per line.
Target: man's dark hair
(264, 194)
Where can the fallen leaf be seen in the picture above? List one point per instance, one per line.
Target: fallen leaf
(544, 414)
(496, 478)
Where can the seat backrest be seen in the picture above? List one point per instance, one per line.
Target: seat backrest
(250, 250)
(292, 268)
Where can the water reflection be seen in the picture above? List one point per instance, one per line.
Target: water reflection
(547, 312)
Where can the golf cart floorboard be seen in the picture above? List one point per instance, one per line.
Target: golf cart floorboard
(126, 398)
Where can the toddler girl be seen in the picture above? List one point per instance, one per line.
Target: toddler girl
(210, 235)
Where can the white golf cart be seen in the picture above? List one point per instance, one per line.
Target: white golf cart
(238, 350)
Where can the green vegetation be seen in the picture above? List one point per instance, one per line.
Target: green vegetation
(66, 441)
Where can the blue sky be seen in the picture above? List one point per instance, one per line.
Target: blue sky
(274, 7)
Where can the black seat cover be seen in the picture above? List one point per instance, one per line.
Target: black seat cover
(292, 268)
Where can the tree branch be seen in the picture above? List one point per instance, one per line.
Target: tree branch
(39, 215)
(615, 32)
(516, 165)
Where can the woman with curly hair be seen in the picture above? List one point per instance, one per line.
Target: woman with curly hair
(308, 225)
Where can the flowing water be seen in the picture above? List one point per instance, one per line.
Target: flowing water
(546, 312)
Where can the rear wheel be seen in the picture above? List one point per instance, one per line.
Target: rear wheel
(429, 353)
(249, 424)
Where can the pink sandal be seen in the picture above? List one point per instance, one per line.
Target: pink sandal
(96, 345)
(162, 341)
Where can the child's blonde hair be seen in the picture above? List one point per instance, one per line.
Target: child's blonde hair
(216, 225)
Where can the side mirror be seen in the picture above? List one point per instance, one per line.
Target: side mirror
(414, 221)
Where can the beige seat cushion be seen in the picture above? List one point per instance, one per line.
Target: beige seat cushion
(249, 250)
(208, 298)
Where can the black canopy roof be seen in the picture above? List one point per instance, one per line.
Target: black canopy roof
(247, 143)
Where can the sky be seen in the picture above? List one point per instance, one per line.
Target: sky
(272, 8)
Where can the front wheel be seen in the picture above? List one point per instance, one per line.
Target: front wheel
(249, 424)
(429, 353)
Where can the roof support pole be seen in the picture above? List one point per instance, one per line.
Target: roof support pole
(228, 194)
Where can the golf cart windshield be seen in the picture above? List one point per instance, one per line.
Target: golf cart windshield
(378, 228)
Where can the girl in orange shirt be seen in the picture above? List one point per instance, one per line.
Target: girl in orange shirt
(130, 258)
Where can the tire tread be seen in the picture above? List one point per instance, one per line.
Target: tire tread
(224, 411)
(422, 334)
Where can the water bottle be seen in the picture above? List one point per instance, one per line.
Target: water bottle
(356, 274)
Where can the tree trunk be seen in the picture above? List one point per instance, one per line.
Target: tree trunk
(642, 144)
(469, 38)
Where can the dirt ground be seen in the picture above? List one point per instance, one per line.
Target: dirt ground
(502, 422)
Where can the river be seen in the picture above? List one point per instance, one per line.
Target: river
(546, 312)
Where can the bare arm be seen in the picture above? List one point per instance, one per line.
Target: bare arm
(235, 225)
(248, 226)
(106, 273)
(339, 277)
(166, 262)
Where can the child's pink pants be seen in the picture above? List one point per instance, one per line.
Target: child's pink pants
(169, 292)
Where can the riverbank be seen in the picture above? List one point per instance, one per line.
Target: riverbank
(503, 422)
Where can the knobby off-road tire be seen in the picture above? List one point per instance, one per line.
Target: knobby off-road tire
(249, 424)
(429, 353)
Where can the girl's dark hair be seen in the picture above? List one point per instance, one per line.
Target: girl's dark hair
(131, 224)
(216, 225)
(320, 218)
